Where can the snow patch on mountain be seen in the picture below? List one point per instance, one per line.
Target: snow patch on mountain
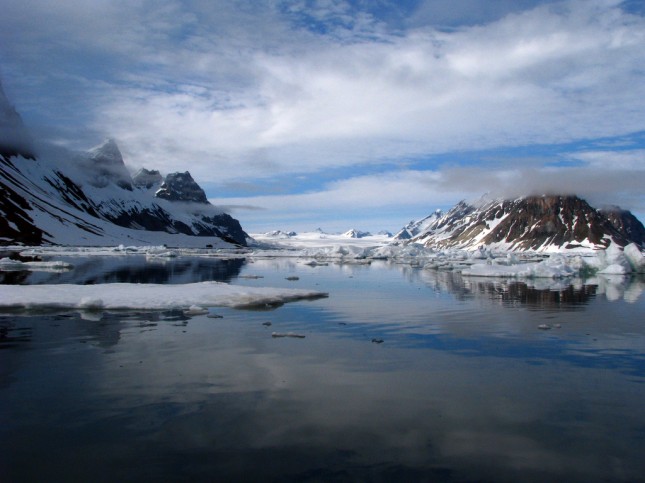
(540, 223)
(353, 233)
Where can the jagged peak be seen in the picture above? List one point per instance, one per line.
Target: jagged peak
(181, 187)
(106, 166)
(106, 153)
(147, 178)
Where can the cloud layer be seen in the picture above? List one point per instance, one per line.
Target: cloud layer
(234, 91)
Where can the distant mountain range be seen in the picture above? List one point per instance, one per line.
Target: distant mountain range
(541, 223)
(90, 198)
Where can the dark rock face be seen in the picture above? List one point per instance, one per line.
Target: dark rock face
(181, 187)
(532, 223)
(549, 220)
(16, 224)
(626, 224)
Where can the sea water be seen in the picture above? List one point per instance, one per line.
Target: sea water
(403, 374)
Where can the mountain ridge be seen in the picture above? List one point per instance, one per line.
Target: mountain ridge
(539, 223)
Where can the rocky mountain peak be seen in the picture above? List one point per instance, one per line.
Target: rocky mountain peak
(181, 187)
(106, 166)
(147, 178)
(625, 223)
(106, 153)
(530, 223)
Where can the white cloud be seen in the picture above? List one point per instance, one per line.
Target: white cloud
(542, 76)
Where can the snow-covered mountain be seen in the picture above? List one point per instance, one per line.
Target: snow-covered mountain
(280, 234)
(541, 223)
(51, 195)
(413, 228)
(353, 233)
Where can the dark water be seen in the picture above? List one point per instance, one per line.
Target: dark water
(403, 375)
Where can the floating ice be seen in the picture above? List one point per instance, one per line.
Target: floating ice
(121, 296)
(8, 264)
(196, 310)
(635, 258)
(554, 267)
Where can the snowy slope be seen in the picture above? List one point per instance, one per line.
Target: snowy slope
(413, 228)
(540, 223)
(61, 197)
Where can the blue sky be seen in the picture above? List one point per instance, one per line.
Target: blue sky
(343, 114)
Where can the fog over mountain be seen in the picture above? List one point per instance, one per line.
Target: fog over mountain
(57, 196)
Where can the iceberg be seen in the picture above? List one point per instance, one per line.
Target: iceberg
(635, 257)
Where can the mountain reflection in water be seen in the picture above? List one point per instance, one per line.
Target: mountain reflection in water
(132, 269)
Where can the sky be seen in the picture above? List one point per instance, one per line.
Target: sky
(343, 114)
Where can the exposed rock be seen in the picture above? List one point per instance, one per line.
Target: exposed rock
(528, 223)
(181, 187)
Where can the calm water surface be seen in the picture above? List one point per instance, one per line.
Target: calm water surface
(403, 375)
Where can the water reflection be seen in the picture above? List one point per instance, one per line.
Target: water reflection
(132, 269)
(514, 294)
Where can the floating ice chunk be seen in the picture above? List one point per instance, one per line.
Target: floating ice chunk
(635, 257)
(612, 255)
(615, 269)
(90, 303)
(8, 264)
(122, 296)
(556, 266)
(196, 310)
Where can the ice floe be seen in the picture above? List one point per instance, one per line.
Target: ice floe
(192, 297)
(481, 262)
(8, 264)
